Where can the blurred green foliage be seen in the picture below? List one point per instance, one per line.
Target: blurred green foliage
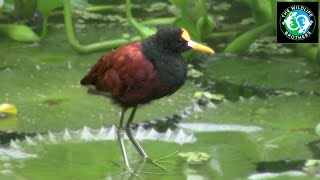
(193, 16)
(19, 32)
(20, 20)
(24, 9)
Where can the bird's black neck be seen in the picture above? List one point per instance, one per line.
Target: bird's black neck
(170, 66)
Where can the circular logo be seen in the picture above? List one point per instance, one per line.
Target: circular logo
(297, 22)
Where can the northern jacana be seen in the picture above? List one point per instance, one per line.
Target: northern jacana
(140, 72)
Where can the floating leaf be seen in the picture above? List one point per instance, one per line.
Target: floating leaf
(195, 157)
(218, 97)
(312, 166)
(198, 94)
(195, 73)
(208, 95)
(8, 109)
(312, 162)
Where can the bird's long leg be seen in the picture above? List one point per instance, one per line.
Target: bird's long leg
(131, 138)
(136, 144)
(120, 133)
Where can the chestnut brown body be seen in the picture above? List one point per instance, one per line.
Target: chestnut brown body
(129, 77)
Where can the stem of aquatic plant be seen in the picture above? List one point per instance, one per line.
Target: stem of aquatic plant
(143, 31)
(90, 47)
(44, 28)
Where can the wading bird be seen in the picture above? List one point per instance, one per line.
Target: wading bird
(142, 71)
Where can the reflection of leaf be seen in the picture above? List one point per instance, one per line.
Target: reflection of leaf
(8, 119)
(8, 124)
(19, 33)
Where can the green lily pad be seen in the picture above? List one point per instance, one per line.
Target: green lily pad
(275, 73)
(292, 175)
(277, 145)
(230, 158)
(284, 112)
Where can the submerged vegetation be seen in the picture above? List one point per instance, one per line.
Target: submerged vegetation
(249, 112)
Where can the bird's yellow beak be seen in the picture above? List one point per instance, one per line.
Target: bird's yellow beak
(194, 45)
(199, 47)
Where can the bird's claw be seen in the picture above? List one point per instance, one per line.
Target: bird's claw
(155, 163)
(129, 170)
(159, 160)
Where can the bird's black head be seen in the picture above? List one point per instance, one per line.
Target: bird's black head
(176, 40)
(170, 39)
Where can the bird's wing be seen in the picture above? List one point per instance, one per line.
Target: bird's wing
(121, 71)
